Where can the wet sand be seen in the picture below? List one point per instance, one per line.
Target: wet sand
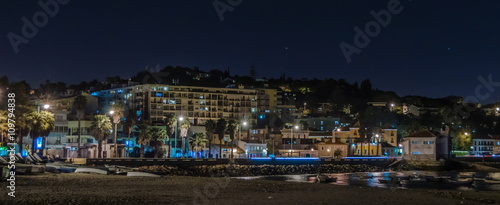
(76, 188)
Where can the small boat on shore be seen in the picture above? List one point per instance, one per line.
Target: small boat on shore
(23, 170)
(433, 179)
(91, 170)
(491, 185)
(389, 181)
(141, 174)
(325, 178)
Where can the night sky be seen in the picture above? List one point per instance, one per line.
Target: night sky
(431, 48)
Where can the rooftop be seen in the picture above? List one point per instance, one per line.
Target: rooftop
(424, 133)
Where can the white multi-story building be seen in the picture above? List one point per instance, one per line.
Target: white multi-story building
(198, 104)
(486, 145)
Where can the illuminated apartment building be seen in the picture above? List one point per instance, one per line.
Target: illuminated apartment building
(198, 104)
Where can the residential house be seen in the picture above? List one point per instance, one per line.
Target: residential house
(328, 148)
(320, 123)
(426, 145)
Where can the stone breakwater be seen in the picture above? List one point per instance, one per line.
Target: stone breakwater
(257, 170)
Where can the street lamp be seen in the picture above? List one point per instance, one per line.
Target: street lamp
(44, 140)
(112, 112)
(175, 136)
(376, 140)
(291, 139)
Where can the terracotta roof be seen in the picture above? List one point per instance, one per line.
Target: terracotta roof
(329, 142)
(340, 143)
(424, 133)
(320, 134)
(356, 125)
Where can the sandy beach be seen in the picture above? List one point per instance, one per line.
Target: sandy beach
(77, 188)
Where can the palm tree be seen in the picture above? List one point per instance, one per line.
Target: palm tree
(100, 129)
(144, 136)
(198, 141)
(3, 125)
(221, 130)
(22, 122)
(80, 104)
(128, 127)
(210, 128)
(232, 127)
(41, 124)
(117, 115)
(184, 127)
(156, 135)
(170, 122)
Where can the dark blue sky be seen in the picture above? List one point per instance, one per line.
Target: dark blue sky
(431, 48)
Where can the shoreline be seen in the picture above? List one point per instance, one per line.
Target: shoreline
(77, 188)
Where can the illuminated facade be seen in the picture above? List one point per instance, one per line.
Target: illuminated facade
(486, 145)
(426, 145)
(198, 104)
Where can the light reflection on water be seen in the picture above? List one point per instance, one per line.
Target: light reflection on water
(373, 179)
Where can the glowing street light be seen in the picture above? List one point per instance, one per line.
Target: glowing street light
(176, 132)
(291, 139)
(46, 106)
(466, 133)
